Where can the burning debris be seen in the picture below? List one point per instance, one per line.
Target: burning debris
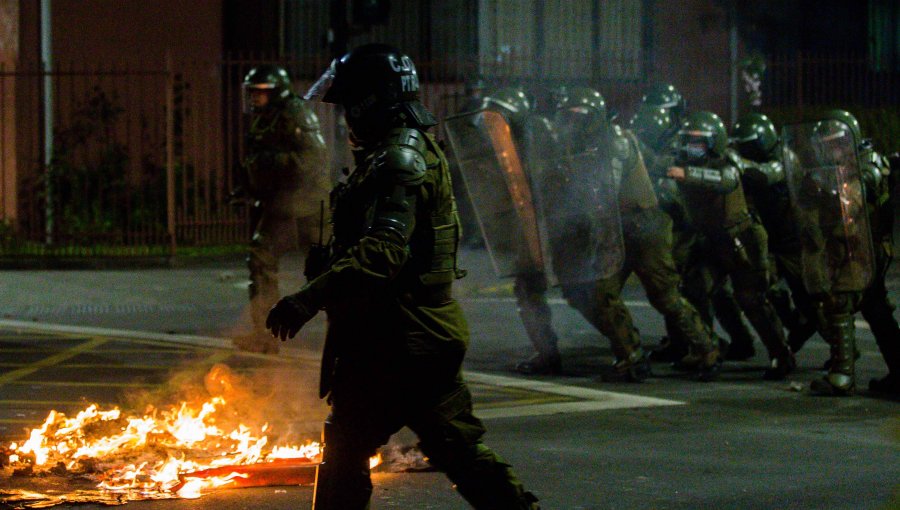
(176, 452)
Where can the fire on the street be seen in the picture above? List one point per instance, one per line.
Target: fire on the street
(179, 452)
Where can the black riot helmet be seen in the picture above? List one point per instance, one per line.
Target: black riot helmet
(755, 137)
(702, 137)
(666, 96)
(582, 118)
(273, 81)
(378, 86)
(511, 102)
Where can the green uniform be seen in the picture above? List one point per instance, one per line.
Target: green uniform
(286, 180)
(876, 307)
(688, 249)
(648, 253)
(738, 246)
(396, 337)
(768, 201)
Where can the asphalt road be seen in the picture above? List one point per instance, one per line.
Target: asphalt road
(669, 443)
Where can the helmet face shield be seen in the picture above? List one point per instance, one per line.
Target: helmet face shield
(835, 137)
(696, 146)
(321, 90)
(255, 97)
(578, 127)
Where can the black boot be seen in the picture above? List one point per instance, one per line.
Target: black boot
(779, 367)
(635, 367)
(668, 350)
(706, 365)
(541, 364)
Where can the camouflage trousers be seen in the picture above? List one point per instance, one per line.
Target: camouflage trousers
(742, 257)
(648, 254)
(370, 403)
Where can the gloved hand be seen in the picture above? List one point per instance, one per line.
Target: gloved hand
(288, 315)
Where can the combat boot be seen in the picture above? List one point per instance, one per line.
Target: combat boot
(707, 365)
(541, 364)
(668, 350)
(635, 367)
(780, 366)
(840, 380)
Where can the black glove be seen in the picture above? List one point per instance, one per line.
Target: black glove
(288, 315)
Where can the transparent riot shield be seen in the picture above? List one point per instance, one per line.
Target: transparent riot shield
(498, 185)
(579, 204)
(823, 176)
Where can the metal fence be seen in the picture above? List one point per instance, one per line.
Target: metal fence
(808, 79)
(144, 154)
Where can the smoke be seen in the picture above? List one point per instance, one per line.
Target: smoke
(273, 399)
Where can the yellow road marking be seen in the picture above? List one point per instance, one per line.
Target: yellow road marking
(42, 403)
(106, 366)
(52, 360)
(98, 383)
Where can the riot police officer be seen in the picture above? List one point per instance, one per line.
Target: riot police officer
(396, 337)
(585, 129)
(532, 137)
(756, 140)
(284, 179)
(708, 176)
(842, 194)
(655, 124)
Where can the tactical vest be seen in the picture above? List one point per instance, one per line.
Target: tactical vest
(434, 241)
(713, 211)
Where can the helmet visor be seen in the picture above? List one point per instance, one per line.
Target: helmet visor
(256, 96)
(696, 146)
(321, 90)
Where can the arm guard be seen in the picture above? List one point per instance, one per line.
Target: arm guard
(399, 170)
(764, 174)
(722, 180)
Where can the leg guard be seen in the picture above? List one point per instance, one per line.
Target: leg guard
(840, 332)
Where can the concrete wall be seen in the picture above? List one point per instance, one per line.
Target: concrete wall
(691, 51)
(106, 30)
(9, 48)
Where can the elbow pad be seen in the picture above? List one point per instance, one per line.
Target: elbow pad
(395, 214)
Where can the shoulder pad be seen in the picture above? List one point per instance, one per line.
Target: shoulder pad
(302, 114)
(402, 158)
(732, 157)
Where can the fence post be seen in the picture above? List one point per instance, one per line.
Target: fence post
(170, 153)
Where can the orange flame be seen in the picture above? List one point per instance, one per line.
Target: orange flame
(159, 454)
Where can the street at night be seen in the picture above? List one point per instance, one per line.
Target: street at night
(667, 443)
